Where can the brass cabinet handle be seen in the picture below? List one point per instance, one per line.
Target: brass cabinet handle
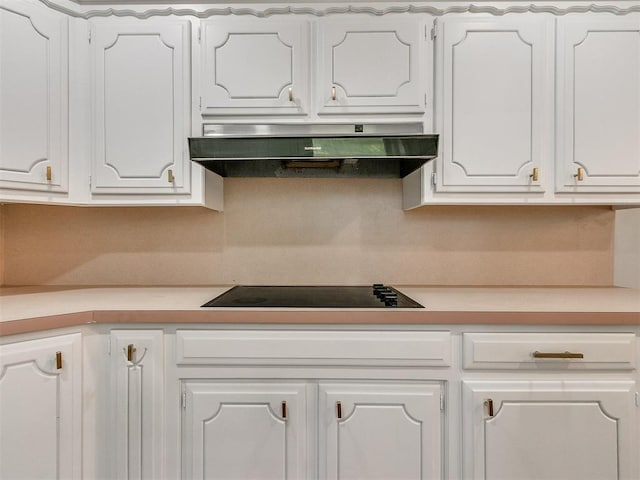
(339, 409)
(58, 360)
(170, 176)
(48, 173)
(537, 354)
(489, 404)
(333, 93)
(535, 174)
(291, 94)
(580, 174)
(284, 410)
(131, 349)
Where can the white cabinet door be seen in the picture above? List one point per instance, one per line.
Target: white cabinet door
(371, 65)
(141, 106)
(495, 92)
(249, 430)
(598, 104)
(255, 66)
(137, 416)
(33, 98)
(40, 409)
(536, 430)
(380, 431)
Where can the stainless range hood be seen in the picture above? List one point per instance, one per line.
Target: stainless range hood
(313, 150)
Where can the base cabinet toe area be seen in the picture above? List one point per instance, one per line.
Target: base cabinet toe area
(266, 402)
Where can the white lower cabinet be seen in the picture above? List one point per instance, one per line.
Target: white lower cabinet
(40, 409)
(379, 430)
(559, 416)
(268, 403)
(247, 430)
(136, 403)
(550, 429)
(328, 402)
(263, 429)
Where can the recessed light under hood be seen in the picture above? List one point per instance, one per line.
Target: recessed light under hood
(313, 150)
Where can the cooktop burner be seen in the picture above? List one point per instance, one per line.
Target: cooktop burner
(375, 296)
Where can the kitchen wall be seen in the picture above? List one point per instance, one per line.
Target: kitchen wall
(626, 264)
(297, 231)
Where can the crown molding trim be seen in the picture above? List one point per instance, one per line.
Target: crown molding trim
(336, 10)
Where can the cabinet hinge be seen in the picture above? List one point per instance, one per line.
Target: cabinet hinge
(90, 179)
(200, 103)
(442, 402)
(108, 346)
(89, 35)
(637, 399)
(434, 33)
(199, 34)
(425, 100)
(184, 400)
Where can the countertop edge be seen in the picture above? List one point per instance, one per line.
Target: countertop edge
(315, 317)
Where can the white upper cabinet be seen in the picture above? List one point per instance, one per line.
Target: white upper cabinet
(495, 96)
(598, 104)
(371, 65)
(254, 66)
(33, 98)
(141, 106)
(308, 67)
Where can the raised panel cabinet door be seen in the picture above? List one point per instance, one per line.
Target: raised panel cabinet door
(380, 431)
(251, 431)
(40, 409)
(137, 416)
(546, 430)
(33, 98)
(371, 65)
(495, 90)
(141, 105)
(255, 66)
(598, 104)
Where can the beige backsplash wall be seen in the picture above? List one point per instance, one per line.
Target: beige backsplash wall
(297, 231)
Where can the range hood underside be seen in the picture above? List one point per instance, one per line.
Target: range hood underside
(303, 168)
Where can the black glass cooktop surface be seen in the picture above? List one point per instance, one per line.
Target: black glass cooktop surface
(372, 296)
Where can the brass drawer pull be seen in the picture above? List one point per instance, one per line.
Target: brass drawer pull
(537, 354)
(580, 174)
(489, 404)
(339, 410)
(170, 176)
(535, 174)
(291, 94)
(333, 93)
(49, 174)
(131, 349)
(284, 410)
(58, 360)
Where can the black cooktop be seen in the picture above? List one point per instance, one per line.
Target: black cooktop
(373, 296)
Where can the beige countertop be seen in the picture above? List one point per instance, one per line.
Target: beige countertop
(28, 309)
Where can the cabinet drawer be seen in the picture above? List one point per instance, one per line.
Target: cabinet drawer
(567, 351)
(306, 347)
